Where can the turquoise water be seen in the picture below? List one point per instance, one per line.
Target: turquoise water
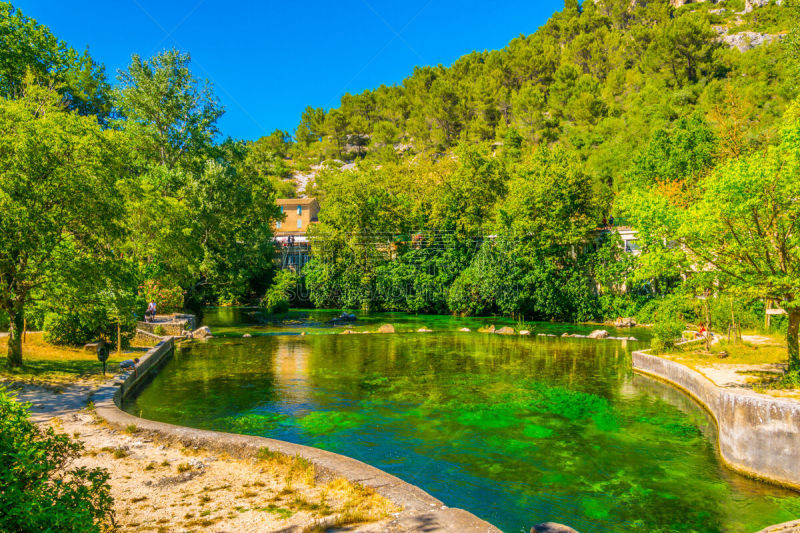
(516, 430)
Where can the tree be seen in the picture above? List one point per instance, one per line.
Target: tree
(741, 229)
(170, 114)
(57, 189)
(29, 47)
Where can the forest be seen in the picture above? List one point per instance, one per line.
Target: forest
(483, 187)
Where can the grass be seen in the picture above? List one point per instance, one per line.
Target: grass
(772, 351)
(47, 364)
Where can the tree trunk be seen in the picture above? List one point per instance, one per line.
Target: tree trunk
(792, 339)
(15, 339)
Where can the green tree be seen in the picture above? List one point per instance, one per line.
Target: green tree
(740, 228)
(58, 174)
(29, 47)
(172, 117)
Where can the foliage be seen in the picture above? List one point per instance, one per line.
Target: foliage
(738, 227)
(666, 332)
(278, 295)
(58, 198)
(28, 48)
(40, 490)
(166, 297)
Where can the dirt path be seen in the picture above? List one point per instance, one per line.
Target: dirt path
(158, 487)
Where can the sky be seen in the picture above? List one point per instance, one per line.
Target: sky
(268, 60)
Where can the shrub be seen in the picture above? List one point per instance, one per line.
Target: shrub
(88, 325)
(167, 297)
(277, 298)
(39, 490)
(159, 330)
(666, 333)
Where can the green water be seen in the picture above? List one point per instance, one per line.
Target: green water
(515, 430)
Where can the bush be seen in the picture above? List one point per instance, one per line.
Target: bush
(277, 298)
(39, 491)
(666, 333)
(79, 327)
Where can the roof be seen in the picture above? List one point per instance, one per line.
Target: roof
(296, 201)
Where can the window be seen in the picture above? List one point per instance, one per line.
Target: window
(299, 211)
(299, 223)
(278, 224)
(631, 246)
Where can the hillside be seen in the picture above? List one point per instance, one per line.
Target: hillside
(597, 79)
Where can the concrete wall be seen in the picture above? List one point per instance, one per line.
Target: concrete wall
(758, 435)
(149, 362)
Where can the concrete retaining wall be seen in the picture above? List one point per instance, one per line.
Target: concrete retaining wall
(420, 510)
(758, 435)
(149, 362)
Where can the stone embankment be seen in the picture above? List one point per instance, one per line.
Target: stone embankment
(758, 435)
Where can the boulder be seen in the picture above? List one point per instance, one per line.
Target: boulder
(424, 330)
(485, 329)
(465, 330)
(747, 40)
(505, 330)
(525, 332)
(627, 322)
(386, 328)
(246, 336)
(551, 527)
(565, 334)
(202, 333)
(598, 334)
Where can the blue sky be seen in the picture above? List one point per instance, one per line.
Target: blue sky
(269, 60)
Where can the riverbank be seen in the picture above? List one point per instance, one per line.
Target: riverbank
(758, 434)
(159, 485)
(57, 367)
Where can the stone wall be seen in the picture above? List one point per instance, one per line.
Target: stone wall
(148, 363)
(758, 435)
(173, 325)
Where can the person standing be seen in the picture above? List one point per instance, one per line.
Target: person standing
(151, 312)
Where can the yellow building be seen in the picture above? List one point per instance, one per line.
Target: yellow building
(299, 213)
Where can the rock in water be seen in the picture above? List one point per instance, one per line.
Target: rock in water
(627, 322)
(386, 328)
(424, 330)
(246, 336)
(598, 334)
(465, 330)
(505, 330)
(551, 527)
(524, 332)
(202, 333)
(484, 329)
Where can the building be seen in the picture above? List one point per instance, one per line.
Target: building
(299, 214)
(292, 247)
